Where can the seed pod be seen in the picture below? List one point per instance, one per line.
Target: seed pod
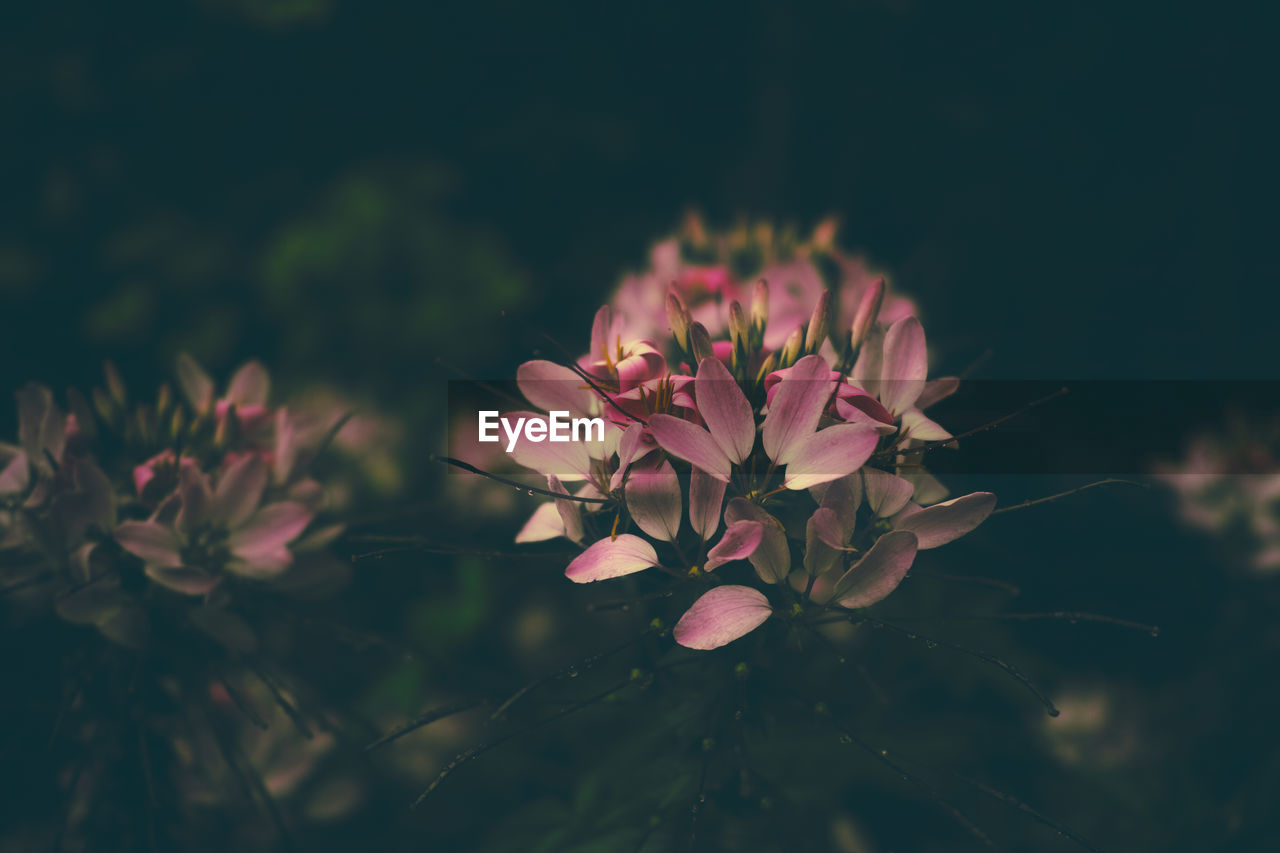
(759, 312)
(678, 318)
(700, 343)
(865, 316)
(819, 324)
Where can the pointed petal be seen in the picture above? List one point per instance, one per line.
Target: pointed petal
(612, 558)
(946, 522)
(906, 364)
(845, 496)
(250, 386)
(886, 493)
(725, 409)
(739, 542)
(692, 444)
(570, 512)
(262, 564)
(239, 492)
(196, 496)
(796, 408)
(720, 616)
(772, 559)
(879, 572)
(830, 454)
(706, 497)
(154, 543)
(654, 500)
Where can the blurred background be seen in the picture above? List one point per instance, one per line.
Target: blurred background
(383, 197)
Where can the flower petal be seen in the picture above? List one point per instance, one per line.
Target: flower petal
(568, 460)
(879, 572)
(612, 558)
(725, 409)
(722, 615)
(196, 385)
(936, 390)
(692, 444)
(196, 497)
(706, 497)
(739, 542)
(239, 491)
(772, 559)
(15, 474)
(916, 424)
(886, 494)
(553, 387)
(829, 454)
(187, 580)
(823, 540)
(945, 522)
(797, 406)
(906, 364)
(544, 524)
(570, 512)
(250, 386)
(154, 543)
(654, 500)
(271, 528)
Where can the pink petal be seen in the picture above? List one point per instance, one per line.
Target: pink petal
(544, 524)
(886, 493)
(15, 474)
(555, 388)
(184, 579)
(154, 543)
(829, 454)
(250, 386)
(936, 390)
(915, 424)
(239, 492)
(568, 460)
(879, 572)
(692, 444)
(197, 498)
(725, 409)
(945, 522)
(823, 540)
(271, 528)
(262, 564)
(720, 616)
(906, 364)
(739, 542)
(612, 558)
(772, 559)
(196, 385)
(706, 496)
(796, 409)
(604, 333)
(844, 496)
(570, 512)
(654, 500)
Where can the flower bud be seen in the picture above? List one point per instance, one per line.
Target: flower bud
(700, 343)
(819, 324)
(678, 318)
(105, 406)
(228, 432)
(177, 423)
(739, 331)
(790, 352)
(868, 310)
(164, 400)
(115, 384)
(759, 311)
(769, 365)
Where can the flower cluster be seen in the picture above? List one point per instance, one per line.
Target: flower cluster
(751, 434)
(1227, 484)
(116, 512)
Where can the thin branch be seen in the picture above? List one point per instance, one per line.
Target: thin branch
(982, 656)
(1069, 492)
(981, 580)
(425, 720)
(1013, 801)
(520, 487)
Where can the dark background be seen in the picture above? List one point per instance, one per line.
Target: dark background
(353, 191)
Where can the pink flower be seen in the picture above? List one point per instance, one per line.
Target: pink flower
(789, 435)
(247, 393)
(201, 533)
(894, 368)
